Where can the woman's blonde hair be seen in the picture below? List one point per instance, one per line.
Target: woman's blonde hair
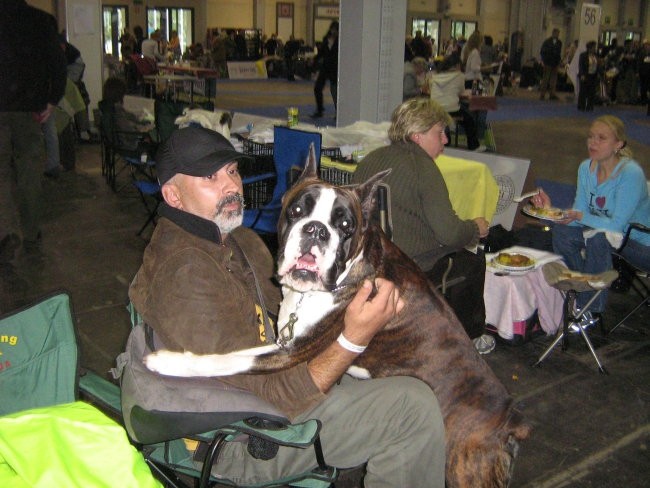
(618, 128)
(415, 116)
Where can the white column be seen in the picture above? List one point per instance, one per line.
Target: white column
(371, 59)
(84, 30)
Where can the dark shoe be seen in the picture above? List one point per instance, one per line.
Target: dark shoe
(8, 247)
(554, 97)
(316, 115)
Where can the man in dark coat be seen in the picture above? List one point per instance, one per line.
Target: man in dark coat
(32, 81)
(551, 54)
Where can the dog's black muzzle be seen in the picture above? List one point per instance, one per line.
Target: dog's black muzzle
(314, 233)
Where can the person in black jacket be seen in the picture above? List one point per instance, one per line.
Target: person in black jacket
(551, 54)
(32, 81)
(588, 77)
(328, 54)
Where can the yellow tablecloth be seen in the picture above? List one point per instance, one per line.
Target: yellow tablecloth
(472, 189)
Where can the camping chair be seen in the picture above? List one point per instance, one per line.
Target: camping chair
(145, 181)
(46, 436)
(180, 421)
(630, 275)
(112, 149)
(290, 150)
(40, 381)
(569, 283)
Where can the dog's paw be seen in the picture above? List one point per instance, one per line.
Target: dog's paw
(172, 363)
(186, 364)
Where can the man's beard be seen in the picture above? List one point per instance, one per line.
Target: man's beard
(229, 220)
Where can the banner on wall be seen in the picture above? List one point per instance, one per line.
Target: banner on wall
(246, 70)
(589, 24)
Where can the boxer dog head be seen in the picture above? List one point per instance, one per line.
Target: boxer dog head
(321, 228)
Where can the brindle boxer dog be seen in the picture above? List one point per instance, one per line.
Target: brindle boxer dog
(327, 246)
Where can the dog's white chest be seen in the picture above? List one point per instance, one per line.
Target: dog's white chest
(301, 311)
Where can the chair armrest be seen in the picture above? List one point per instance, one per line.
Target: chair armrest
(633, 226)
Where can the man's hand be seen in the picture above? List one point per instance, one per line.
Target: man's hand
(364, 317)
(41, 117)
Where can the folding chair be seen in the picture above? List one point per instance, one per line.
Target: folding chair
(631, 275)
(145, 181)
(569, 283)
(290, 150)
(182, 422)
(47, 438)
(40, 383)
(112, 149)
(37, 343)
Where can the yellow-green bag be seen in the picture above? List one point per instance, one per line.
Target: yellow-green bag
(71, 445)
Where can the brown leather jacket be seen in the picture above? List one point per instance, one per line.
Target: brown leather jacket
(198, 294)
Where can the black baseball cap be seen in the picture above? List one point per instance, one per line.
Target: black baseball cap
(194, 151)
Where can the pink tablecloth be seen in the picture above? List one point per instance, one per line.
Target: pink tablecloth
(511, 299)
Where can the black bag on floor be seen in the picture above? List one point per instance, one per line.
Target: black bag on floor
(67, 154)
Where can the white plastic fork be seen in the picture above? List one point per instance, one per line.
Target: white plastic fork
(525, 195)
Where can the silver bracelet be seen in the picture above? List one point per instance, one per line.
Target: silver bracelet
(350, 346)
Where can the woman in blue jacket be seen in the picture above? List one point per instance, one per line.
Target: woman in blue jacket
(611, 193)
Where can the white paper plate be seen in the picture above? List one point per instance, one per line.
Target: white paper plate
(534, 212)
(497, 265)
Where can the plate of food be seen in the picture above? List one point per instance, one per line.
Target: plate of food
(513, 261)
(552, 213)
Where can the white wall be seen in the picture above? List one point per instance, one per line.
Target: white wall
(83, 26)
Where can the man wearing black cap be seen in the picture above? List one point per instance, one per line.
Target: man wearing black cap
(201, 287)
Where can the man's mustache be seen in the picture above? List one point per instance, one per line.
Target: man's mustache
(236, 197)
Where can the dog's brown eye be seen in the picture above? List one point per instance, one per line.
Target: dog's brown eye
(296, 211)
(346, 226)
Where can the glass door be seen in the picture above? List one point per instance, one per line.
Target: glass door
(429, 27)
(114, 22)
(169, 19)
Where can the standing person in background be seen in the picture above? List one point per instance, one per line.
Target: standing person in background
(471, 59)
(127, 45)
(328, 55)
(551, 54)
(151, 49)
(588, 77)
(174, 45)
(291, 49)
(271, 45)
(75, 69)
(32, 81)
(489, 53)
(419, 46)
(643, 62)
(139, 38)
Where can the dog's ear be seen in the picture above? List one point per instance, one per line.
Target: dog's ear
(226, 119)
(311, 166)
(367, 193)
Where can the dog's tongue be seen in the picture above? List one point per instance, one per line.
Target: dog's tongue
(306, 261)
